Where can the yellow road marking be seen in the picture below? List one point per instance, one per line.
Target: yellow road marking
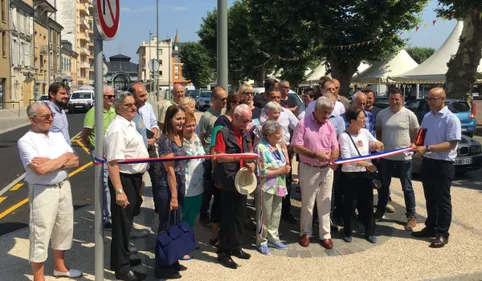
(16, 187)
(21, 203)
(2, 198)
(83, 146)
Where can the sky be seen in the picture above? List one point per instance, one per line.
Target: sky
(138, 16)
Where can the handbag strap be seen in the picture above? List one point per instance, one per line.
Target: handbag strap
(173, 218)
(352, 141)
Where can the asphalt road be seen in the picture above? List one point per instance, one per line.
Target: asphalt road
(16, 214)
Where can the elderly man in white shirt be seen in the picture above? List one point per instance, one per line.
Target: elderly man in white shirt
(328, 87)
(122, 141)
(289, 122)
(46, 156)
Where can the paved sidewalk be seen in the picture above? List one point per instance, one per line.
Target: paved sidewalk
(11, 119)
(397, 256)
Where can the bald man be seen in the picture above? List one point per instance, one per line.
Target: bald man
(439, 150)
(177, 95)
(344, 100)
(359, 102)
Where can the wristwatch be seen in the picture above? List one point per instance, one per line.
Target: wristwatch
(119, 191)
(427, 149)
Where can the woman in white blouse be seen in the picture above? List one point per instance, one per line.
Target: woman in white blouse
(358, 192)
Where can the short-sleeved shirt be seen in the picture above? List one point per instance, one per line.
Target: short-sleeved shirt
(60, 124)
(374, 111)
(220, 146)
(147, 114)
(89, 122)
(206, 125)
(221, 122)
(287, 120)
(289, 102)
(195, 167)
(52, 146)
(168, 146)
(122, 141)
(369, 122)
(396, 130)
(347, 150)
(270, 159)
(441, 127)
(315, 137)
(337, 122)
(163, 109)
(141, 128)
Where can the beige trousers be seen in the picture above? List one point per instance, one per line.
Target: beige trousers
(51, 218)
(316, 185)
(268, 216)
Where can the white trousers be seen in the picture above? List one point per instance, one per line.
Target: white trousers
(316, 185)
(51, 218)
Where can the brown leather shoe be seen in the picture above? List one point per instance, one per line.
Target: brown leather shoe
(305, 240)
(327, 244)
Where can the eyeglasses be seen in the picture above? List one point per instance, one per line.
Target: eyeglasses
(248, 93)
(129, 104)
(46, 116)
(109, 96)
(285, 87)
(432, 99)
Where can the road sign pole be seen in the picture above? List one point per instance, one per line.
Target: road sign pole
(222, 30)
(99, 152)
(157, 52)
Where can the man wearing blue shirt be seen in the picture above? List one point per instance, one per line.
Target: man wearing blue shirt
(58, 99)
(439, 151)
(359, 102)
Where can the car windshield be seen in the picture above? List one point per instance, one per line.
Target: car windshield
(81, 95)
(205, 94)
(458, 106)
(44, 98)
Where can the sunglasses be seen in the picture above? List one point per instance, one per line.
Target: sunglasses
(109, 96)
(248, 93)
(46, 116)
(285, 87)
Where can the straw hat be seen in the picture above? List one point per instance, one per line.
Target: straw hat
(245, 181)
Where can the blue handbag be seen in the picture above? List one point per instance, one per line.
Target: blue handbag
(174, 242)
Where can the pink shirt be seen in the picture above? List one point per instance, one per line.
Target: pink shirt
(316, 138)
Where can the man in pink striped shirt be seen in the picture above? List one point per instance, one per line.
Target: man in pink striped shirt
(315, 141)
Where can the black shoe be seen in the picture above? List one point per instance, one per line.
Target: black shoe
(240, 254)
(289, 218)
(169, 275)
(424, 233)
(133, 249)
(181, 267)
(108, 225)
(130, 276)
(205, 222)
(227, 261)
(439, 241)
(135, 262)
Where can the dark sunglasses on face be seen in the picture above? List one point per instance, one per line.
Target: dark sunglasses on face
(46, 116)
(109, 96)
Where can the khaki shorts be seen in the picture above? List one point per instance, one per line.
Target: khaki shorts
(51, 218)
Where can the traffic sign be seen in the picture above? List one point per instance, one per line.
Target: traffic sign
(107, 13)
(154, 65)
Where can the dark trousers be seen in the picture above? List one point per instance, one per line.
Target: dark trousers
(165, 216)
(358, 193)
(155, 175)
(122, 222)
(387, 169)
(337, 195)
(437, 176)
(208, 192)
(286, 203)
(231, 226)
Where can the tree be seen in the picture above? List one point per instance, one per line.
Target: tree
(462, 67)
(345, 22)
(197, 64)
(420, 54)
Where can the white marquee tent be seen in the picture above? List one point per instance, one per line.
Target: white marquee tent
(321, 70)
(433, 70)
(380, 71)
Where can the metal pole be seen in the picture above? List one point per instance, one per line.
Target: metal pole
(99, 152)
(170, 67)
(222, 29)
(151, 83)
(157, 50)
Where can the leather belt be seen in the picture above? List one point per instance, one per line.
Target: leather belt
(59, 184)
(315, 166)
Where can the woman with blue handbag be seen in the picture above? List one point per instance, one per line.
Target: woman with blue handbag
(172, 191)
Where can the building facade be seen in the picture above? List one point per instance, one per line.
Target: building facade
(55, 30)
(146, 52)
(177, 64)
(121, 72)
(68, 64)
(5, 84)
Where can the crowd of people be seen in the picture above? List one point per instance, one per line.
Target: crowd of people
(270, 124)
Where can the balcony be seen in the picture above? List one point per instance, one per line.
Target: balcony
(44, 49)
(84, 51)
(82, 8)
(82, 81)
(84, 22)
(85, 65)
(83, 37)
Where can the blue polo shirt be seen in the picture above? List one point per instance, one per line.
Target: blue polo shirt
(369, 122)
(441, 127)
(337, 122)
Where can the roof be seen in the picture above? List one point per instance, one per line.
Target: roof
(120, 57)
(433, 70)
(379, 72)
(121, 63)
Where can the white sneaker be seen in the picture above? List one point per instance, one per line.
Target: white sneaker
(72, 273)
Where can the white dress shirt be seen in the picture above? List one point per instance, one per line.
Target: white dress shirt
(122, 141)
(287, 120)
(52, 146)
(148, 116)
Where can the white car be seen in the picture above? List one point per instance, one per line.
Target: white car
(81, 100)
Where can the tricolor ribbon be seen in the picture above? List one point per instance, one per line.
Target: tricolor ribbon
(372, 156)
(240, 156)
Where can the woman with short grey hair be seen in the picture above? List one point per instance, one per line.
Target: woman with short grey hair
(272, 171)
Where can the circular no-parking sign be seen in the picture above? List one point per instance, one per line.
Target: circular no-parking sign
(107, 13)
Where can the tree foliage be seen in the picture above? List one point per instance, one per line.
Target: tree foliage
(420, 54)
(462, 67)
(197, 64)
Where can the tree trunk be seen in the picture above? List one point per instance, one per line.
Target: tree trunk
(343, 72)
(461, 75)
(260, 76)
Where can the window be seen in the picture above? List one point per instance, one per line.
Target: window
(176, 69)
(160, 73)
(4, 43)
(3, 9)
(176, 77)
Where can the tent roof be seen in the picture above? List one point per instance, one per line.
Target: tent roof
(433, 69)
(394, 65)
(320, 71)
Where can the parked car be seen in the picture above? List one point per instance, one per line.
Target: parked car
(204, 101)
(193, 94)
(458, 107)
(81, 100)
(381, 102)
(44, 98)
(469, 157)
